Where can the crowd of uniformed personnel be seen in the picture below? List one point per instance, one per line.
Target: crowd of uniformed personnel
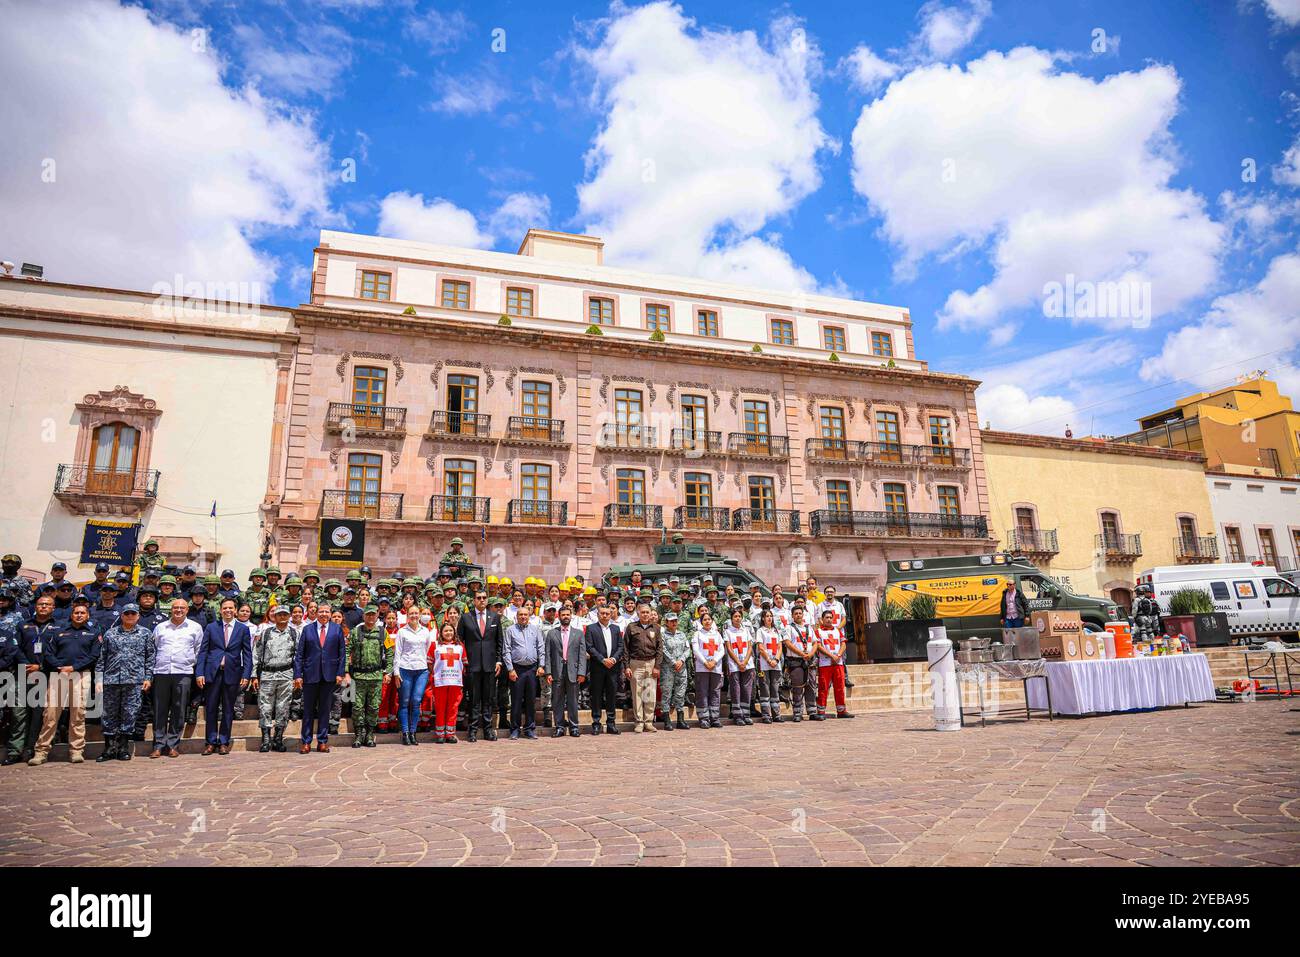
(136, 641)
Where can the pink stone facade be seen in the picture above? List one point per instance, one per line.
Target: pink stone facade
(585, 374)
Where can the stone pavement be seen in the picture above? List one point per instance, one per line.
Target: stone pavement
(1214, 784)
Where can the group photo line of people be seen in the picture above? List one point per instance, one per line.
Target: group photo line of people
(459, 653)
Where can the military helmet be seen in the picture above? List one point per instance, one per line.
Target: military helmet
(167, 580)
(273, 570)
(457, 541)
(257, 573)
(311, 573)
(292, 580)
(152, 541)
(332, 583)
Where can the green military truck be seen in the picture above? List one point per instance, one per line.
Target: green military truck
(687, 562)
(967, 590)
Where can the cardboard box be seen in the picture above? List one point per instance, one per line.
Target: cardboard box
(1052, 622)
(1062, 647)
(1090, 643)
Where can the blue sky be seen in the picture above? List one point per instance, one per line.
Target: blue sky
(958, 157)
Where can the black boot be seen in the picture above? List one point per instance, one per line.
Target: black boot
(125, 747)
(546, 717)
(266, 741)
(668, 721)
(358, 737)
(277, 742)
(109, 752)
(681, 720)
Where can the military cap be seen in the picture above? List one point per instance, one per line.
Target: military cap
(457, 541)
(99, 566)
(671, 616)
(257, 573)
(81, 600)
(123, 576)
(370, 610)
(497, 600)
(58, 567)
(130, 608)
(280, 610)
(43, 587)
(349, 590)
(706, 578)
(109, 585)
(67, 584)
(683, 589)
(665, 593)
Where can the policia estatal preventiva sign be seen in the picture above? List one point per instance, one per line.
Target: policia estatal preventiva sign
(112, 542)
(342, 541)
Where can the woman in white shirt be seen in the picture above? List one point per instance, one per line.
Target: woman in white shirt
(411, 672)
(767, 643)
(708, 651)
(739, 642)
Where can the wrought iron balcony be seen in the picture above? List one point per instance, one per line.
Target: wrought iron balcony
(898, 524)
(832, 450)
(468, 425)
(698, 516)
(523, 511)
(1196, 548)
(1032, 541)
(534, 428)
(86, 490)
(619, 436)
(941, 457)
(625, 515)
(354, 503)
(697, 440)
(1119, 548)
(459, 508)
(372, 419)
(759, 445)
(779, 520)
(888, 453)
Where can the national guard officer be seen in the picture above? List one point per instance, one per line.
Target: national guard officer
(333, 595)
(149, 558)
(674, 667)
(367, 663)
(126, 662)
(257, 596)
(273, 678)
(166, 590)
(24, 595)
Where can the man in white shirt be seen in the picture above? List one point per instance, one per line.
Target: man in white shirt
(176, 643)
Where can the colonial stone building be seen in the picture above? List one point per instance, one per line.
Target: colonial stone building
(562, 415)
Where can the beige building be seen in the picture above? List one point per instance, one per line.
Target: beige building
(1091, 513)
(135, 407)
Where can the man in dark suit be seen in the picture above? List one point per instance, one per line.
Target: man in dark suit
(479, 630)
(603, 642)
(222, 671)
(566, 669)
(319, 665)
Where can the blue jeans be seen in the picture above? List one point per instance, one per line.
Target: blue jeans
(1014, 623)
(409, 696)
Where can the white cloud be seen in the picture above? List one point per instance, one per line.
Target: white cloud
(311, 63)
(709, 136)
(868, 71)
(1054, 173)
(158, 167)
(405, 215)
(1257, 327)
(947, 29)
(467, 94)
(1286, 12)
(1011, 408)
(1287, 173)
(440, 32)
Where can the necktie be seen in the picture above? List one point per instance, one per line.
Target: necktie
(227, 633)
(564, 642)
(320, 633)
(482, 623)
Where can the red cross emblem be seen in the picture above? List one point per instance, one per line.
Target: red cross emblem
(740, 647)
(831, 643)
(450, 656)
(710, 646)
(773, 646)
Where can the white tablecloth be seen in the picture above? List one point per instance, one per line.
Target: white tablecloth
(1122, 684)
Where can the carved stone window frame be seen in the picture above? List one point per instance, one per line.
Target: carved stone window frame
(109, 407)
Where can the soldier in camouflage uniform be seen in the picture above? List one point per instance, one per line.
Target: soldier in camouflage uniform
(456, 554)
(166, 591)
(273, 677)
(675, 664)
(150, 560)
(258, 596)
(367, 663)
(24, 596)
(126, 659)
(228, 587)
(333, 595)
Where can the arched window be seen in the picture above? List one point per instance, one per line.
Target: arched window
(113, 458)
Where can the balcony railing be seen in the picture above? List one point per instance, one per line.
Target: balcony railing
(1032, 541)
(888, 453)
(777, 520)
(459, 508)
(698, 516)
(1196, 548)
(832, 450)
(759, 444)
(88, 480)
(901, 524)
(341, 416)
(1120, 548)
(942, 456)
(696, 440)
(524, 511)
(468, 424)
(624, 515)
(619, 436)
(534, 428)
(1285, 563)
(353, 503)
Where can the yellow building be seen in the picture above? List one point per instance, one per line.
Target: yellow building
(1248, 428)
(1092, 514)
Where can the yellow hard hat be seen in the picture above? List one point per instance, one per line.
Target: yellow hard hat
(492, 580)
(589, 590)
(541, 583)
(505, 581)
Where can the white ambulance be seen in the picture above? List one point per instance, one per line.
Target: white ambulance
(1257, 600)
